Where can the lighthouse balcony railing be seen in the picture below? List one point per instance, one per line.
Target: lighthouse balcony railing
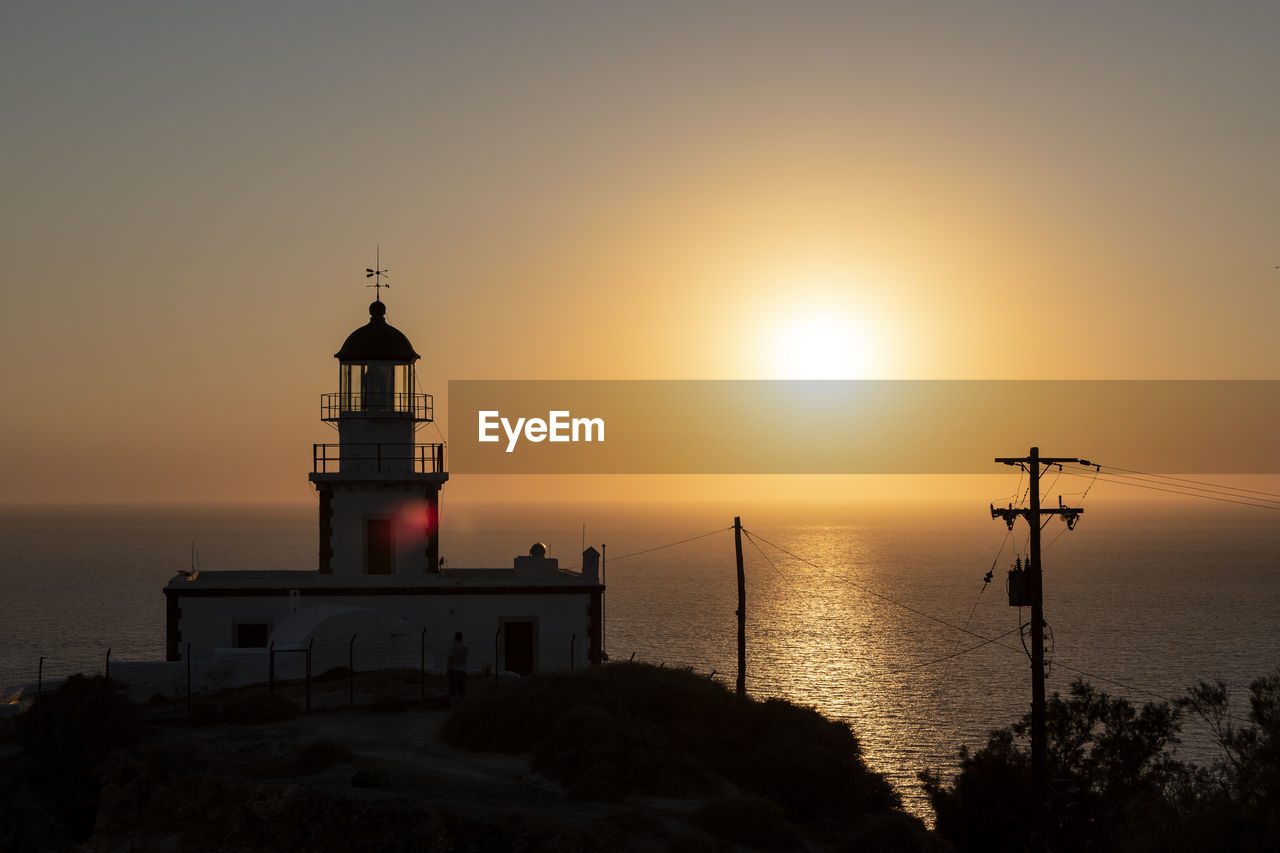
(378, 458)
(372, 404)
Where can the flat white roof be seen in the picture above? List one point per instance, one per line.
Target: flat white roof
(311, 579)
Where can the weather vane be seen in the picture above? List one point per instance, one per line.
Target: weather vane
(377, 274)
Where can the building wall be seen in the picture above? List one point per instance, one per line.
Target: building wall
(353, 504)
(360, 438)
(566, 628)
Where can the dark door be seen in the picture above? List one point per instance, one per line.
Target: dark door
(380, 546)
(519, 647)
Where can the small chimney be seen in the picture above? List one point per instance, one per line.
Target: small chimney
(591, 565)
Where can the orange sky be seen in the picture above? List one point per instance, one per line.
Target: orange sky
(581, 190)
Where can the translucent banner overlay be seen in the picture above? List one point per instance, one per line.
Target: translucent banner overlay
(858, 427)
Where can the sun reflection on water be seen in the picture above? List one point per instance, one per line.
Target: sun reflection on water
(815, 637)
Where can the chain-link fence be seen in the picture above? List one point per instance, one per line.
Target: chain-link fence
(358, 670)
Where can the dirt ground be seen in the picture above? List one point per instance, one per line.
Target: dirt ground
(386, 754)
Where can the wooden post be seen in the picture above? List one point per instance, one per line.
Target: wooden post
(351, 672)
(604, 550)
(1035, 588)
(311, 643)
(1039, 787)
(742, 609)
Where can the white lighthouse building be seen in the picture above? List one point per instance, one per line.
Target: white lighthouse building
(379, 586)
(379, 490)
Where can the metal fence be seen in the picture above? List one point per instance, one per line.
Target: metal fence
(355, 670)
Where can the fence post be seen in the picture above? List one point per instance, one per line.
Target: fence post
(309, 645)
(188, 679)
(496, 634)
(351, 671)
(40, 678)
(573, 638)
(422, 666)
(271, 669)
(108, 673)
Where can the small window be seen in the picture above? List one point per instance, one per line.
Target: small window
(351, 387)
(379, 546)
(379, 388)
(404, 388)
(252, 635)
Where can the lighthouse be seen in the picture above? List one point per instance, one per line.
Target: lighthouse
(379, 489)
(378, 583)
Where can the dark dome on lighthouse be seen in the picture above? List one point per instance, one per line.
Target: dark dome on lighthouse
(377, 340)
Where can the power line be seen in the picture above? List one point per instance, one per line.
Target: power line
(970, 649)
(1185, 480)
(1054, 539)
(986, 641)
(1178, 483)
(669, 544)
(1055, 481)
(881, 596)
(1142, 690)
(1172, 482)
(1113, 478)
(772, 565)
(986, 581)
(1016, 497)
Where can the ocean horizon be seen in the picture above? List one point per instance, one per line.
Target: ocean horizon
(852, 610)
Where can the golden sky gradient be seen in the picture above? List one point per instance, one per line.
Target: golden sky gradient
(605, 191)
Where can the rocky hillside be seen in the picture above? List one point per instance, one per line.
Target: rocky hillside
(620, 758)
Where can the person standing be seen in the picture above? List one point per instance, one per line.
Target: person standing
(457, 669)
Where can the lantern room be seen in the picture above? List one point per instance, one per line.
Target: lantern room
(380, 388)
(376, 375)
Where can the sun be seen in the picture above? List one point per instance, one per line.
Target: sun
(821, 346)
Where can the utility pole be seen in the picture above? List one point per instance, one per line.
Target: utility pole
(742, 609)
(1032, 465)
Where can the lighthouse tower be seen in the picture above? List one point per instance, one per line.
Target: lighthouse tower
(379, 489)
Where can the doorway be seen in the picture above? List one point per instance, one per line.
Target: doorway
(518, 647)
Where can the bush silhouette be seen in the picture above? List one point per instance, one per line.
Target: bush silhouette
(67, 734)
(1114, 782)
(634, 729)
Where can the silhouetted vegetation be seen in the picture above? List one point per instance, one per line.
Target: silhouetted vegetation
(634, 729)
(66, 735)
(1240, 809)
(1114, 780)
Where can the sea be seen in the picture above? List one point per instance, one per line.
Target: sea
(878, 616)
